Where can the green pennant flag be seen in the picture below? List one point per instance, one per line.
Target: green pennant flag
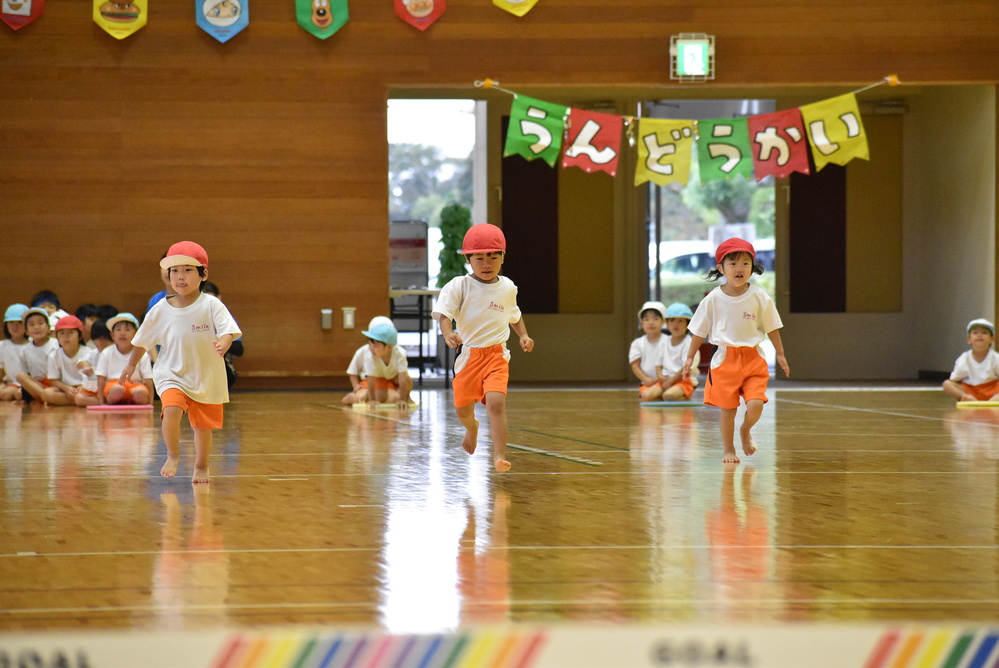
(536, 129)
(321, 18)
(723, 149)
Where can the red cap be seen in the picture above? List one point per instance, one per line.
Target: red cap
(734, 245)
(483, 238)
(69, 322)
(185, 253)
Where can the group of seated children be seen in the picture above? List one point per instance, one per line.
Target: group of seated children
(657, 359)
(379, 372)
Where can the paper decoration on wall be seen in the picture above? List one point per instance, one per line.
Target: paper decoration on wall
(222, 19)
(120, 18)
(19, 13)
(593, 141)
(516, 7)
(664, 150)
(322, 18)
(420, 14)
(723, 149)
(835, 130)
(536, 129)
(779, 146)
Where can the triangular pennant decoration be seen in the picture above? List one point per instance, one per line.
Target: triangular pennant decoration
(322, 18)
(593, 141)
(835, 130)
(536, 129)
(420, 14)
(779, 145)
(222, 19)
(664, 150)
(120, 18)
(19, 13)
(723, 149)
(516, 7)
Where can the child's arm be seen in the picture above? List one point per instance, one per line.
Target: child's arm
(695, 346)
(526, 342)
(133, 361)
(405, 387)
(69, 390)
(779, 349)
(451, 337)
(636, 368)
(101, 381)
(222, 344)
(355, 382)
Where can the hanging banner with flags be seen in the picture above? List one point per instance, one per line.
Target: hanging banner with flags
(664, 150)
(516, 7)
(723, 149)
(779, 146)
(593, 141)
(222, 19)
(835, 130)
(420, 14)
(19, 13)
(120, 18)
(536, 129)
(321, 18)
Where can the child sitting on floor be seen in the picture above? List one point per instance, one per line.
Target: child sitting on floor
(384, 365)
(10, 352)
(976, 373)
(669, 371)
(35, 356)
(66, 368)
(113, 360)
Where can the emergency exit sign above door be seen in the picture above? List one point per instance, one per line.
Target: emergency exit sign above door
(692, 57)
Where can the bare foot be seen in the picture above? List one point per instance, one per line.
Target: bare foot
(748, 445)
(200, 476)
(729, 457)
(169, 469)
(471, 438)
(502, 465)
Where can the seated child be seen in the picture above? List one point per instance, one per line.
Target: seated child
(112, 361)
(976, 373)
(669, 371)
(48, 300)
(384, 365)
(646, 351)
(34, 360)
(10, 352)
(100, 335)
(66, 368)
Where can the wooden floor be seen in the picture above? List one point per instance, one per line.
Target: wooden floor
(863, 504)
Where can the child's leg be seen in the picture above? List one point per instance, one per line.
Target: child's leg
(53, 396)
(674, 393)
(139, 395)
(30, 385)
(202, 447)
(171, 436)
(82, 399)
(727, 424)
(496, 405)
(653, 393)
(10, 393)
(116, 394)
(754, 409)
(956, 390)
(466, 416)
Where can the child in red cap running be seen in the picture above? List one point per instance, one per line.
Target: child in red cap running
(194, 330)
(735, 317)
(484, 305)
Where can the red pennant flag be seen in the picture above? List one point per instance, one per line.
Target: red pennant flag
(779, 145)
(593, 141)
(19, 13)
(420, 14)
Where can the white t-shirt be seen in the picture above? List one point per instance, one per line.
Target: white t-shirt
(10, 360)
(35, 359)
(742, 321)
(649, 354)
(365, 365)
(67, 369)
(967, 370)
(482, 311)
(110, 363)
(359, 362)
(187, 360)
(674, 357)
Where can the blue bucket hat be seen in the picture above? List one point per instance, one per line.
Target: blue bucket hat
(384, 332)
(982, 322)
(678, 310)
(122, 317)
(14, 312)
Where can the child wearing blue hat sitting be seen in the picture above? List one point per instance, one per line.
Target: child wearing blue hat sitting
(976, 372)
(383, 363)
(15, 336)
(669, 369)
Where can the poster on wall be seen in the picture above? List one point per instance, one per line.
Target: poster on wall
(321, 18)
(19, 13)
(420, 14)
(222, 19)
(120, 18)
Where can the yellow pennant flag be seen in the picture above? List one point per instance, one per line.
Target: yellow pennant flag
(835, 130)
(665, 148)
(516, 7)
(120, 18)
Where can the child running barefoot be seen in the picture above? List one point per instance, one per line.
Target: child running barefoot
(194, 330)
(484, 305)
(735, 317)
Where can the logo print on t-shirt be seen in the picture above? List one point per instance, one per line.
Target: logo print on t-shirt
(496, 307)
(201, 328)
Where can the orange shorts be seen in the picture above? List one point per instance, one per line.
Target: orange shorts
(45, 382)
(983, 392)
(202, 416)
(642, 388)
(88, 393)
(485, 371)
(128, 389)
(743, 373)
(685, 385)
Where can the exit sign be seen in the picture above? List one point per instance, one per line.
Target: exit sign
(692, 57)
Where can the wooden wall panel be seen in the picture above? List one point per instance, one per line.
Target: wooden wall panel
(270, 150)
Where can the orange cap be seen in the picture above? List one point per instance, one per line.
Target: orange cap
(734, 245)
(483, 238)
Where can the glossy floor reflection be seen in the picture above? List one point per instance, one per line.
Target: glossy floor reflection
(861, 505)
